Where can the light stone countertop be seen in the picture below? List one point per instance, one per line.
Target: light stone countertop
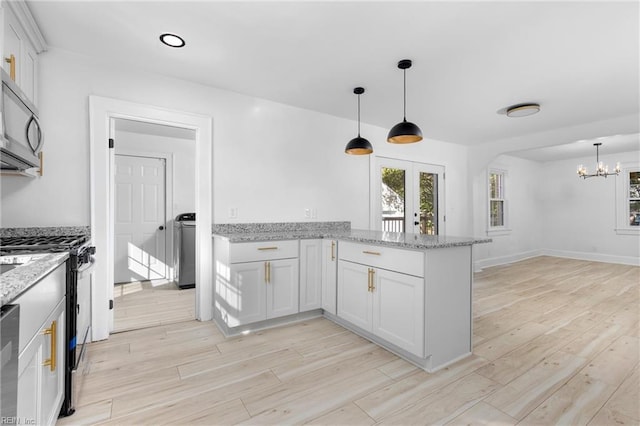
(16, 281)
(391, 239)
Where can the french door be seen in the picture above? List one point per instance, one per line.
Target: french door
(408, 197)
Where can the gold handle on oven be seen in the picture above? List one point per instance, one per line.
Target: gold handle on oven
(52, 331)
(333, 247)
(375, 253)
(268, 248)
(11, 60)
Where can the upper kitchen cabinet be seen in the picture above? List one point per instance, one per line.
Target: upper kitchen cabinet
(21, 44)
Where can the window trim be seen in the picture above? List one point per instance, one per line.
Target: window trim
(503, 229)
(622, 200)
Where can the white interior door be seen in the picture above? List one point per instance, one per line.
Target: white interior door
(408, 197)
(140, 223)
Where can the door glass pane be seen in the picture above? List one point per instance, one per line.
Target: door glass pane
(497, 213)
(393, 199)
(428, 203)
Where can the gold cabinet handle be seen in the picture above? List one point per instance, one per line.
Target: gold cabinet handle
(375, 253)
(368, 279)
(41, 157)
(373, 278)
(333, 254)
(266, 273)
(11, 60)
(52, 331)
(268, 248)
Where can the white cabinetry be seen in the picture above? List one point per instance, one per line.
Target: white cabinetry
(310, 275)
(41, 363)
(387, 303)
(329, 275)
(22, 43)
(255, 281)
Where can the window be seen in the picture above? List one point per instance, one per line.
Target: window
(497, 214)
(633, 200)
(628, 200)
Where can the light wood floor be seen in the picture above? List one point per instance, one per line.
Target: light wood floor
(144, 304)
(556, 342)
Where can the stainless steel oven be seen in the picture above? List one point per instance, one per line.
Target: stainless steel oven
(9, 335)
(21, 136)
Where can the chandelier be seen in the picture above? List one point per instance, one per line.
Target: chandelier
(601, 170)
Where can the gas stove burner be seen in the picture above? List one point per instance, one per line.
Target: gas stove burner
(51, 243)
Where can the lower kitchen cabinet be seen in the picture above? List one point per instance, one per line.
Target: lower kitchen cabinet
(329, 275)
(385, 303)
(310, 275)
(41, 362)
(255, 281)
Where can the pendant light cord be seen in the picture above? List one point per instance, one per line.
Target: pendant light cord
(358, 115)
(404, 112)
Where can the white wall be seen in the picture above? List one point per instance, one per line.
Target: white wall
(270, 161)
(183, 152)
(580, 215)
(524, 200)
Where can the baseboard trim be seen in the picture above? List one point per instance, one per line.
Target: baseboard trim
(594, 257)
(479, 265)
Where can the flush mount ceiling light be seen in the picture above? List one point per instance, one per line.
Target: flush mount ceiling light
(601, 169)
(522, 110)
(172, 40)
(358, 145)
(405, 131)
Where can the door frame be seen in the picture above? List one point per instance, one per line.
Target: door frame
(411, 167)
(101, 112)
(168, 199)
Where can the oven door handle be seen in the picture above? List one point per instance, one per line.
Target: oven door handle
(87, 267)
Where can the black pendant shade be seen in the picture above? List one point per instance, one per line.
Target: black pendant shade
(405, 131)
(358, 145)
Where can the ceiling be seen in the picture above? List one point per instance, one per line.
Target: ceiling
(578, 60)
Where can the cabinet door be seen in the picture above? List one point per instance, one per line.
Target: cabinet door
(53, 375)
(30, 381)
(354, 298)
(245, 302)
(13, 39)
(310, 275)
(398, 313)
(329, 275)
(282, 287)
(28, 71)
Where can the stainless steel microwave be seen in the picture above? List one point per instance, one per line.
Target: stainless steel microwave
(21, 136)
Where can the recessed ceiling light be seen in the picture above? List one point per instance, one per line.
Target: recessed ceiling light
(172, 40)
(522, 110)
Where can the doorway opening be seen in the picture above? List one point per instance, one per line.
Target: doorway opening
(408, 197)
(150, 161)
(103, 112)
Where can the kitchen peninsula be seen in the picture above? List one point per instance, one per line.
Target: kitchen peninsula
(406, 292)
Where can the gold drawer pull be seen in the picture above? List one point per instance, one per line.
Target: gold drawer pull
(375, 253)
(52, 331)
(11, 60)
(268, 248)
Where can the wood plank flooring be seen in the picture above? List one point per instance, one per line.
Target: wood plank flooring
(556, 342)
(144, 304)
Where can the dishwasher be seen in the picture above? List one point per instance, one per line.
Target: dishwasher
(184, 250)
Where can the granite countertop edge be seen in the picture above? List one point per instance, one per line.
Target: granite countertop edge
(391, 239)
(15, 282)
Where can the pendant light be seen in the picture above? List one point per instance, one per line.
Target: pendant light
(358, 145)
(405, 131)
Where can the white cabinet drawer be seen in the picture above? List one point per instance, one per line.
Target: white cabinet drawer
(394, 259)
(260, 251)
(38, 302)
